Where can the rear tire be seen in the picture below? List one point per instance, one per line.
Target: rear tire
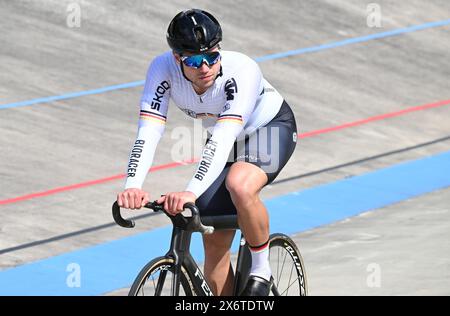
(160, 270)
(288, 269)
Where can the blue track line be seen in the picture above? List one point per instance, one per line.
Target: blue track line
(73, 95)
(258, 59)
(354, 40)
(113, 265)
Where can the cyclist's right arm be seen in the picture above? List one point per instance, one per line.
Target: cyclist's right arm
(152, 120)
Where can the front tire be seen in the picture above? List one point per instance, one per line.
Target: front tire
(155, 279)
(288, 269)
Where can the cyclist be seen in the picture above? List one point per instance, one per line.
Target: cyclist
(252, 134)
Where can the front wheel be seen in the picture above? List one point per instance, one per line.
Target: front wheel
(288, 269)
(155, 279)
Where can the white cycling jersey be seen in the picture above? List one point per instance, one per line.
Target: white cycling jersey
(239, 102)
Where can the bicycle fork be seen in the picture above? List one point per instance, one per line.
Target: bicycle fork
(178, 248)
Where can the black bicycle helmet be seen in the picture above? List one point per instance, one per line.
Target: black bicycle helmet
(193, 31)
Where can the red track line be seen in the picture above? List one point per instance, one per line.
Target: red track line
(89, 183)
(187, 162)
(375, 118)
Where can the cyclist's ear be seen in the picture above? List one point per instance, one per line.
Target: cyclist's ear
(177, 57)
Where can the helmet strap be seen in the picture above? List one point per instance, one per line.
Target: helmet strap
(220, 72)
(182, 71)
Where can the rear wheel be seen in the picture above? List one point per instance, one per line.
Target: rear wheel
(288, 269)
(155, 279)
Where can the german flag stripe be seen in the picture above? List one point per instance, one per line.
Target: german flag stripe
(206, 114)
(152, 113)
(153, 120)
(149, 117)
(229, 119)
(259, 248)
(231, 115)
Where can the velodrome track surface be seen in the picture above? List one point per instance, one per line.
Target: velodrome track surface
(62, 157)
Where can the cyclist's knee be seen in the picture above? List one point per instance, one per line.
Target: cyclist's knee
(244, 181)
(238, 187)
(240, 193)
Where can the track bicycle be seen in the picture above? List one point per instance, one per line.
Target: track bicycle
(177, 274)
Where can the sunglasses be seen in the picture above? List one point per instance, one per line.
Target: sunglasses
(196, 61)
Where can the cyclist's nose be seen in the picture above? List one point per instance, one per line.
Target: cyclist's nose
(204, 67)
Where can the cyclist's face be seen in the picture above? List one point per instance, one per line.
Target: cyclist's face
(202, 78)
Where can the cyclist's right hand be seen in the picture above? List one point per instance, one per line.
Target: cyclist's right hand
(133, 198)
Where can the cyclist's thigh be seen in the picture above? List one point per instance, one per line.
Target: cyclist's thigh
(268, 148)
(271, 146)
(216, 200)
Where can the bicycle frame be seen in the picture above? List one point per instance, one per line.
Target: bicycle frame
(184, 224)
(179, 252)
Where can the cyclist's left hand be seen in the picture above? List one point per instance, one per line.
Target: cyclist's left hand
(174, 201)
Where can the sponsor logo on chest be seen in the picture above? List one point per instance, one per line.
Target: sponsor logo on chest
(159, 94)
(202, 115)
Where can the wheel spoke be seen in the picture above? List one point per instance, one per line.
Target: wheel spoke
(278, 263)
(290, 277)
(290, 284)
(161, 281)
(282, 268)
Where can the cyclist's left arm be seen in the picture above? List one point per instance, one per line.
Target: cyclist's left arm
(242, 91)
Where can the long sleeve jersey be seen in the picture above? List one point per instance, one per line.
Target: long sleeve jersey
(239, 102)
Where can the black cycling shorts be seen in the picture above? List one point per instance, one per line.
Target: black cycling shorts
(269, 148)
